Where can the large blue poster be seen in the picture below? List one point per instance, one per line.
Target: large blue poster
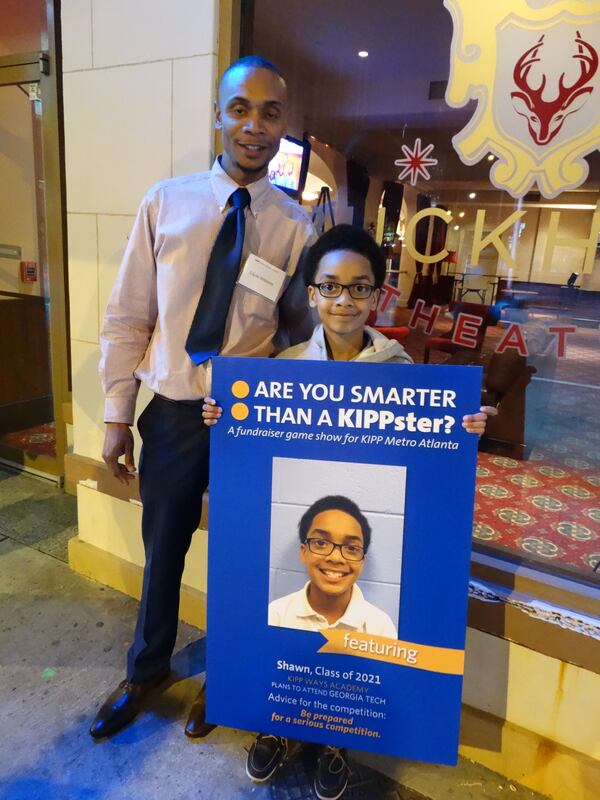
(341, 504)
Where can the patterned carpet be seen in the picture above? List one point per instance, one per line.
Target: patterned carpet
(546, 507)
(39, 440)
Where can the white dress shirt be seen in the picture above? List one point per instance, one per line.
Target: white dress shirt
(162, 274)
(295, 611)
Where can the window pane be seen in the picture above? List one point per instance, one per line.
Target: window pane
(514, 161)
(27, 428)
(23, 27)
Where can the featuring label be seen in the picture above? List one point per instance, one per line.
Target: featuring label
(10, 251)
(345, 625)
(262, 277)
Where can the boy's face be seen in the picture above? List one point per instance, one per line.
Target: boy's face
(251, 113)
(343, 315)
(333, 574)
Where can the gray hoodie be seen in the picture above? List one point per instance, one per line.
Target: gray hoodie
(380, 350)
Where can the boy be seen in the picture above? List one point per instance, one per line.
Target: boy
(343, 272)
(334, 539)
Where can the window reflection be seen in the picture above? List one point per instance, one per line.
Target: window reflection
(24, 27)
(517, 276)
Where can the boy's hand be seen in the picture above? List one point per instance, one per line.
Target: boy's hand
(211, 412)
(475, 423)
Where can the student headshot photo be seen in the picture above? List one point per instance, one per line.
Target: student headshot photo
(335, 538)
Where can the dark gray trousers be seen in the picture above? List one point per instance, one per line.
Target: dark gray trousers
(173, 473)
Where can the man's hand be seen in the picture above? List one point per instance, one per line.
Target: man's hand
(118, 441)
(475, 423)
(211, 412)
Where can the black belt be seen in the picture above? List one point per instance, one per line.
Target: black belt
(181, 402)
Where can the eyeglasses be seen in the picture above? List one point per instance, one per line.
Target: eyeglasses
(357, 291)
(323, 547)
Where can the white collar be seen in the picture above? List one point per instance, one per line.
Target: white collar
(353, 616)
(223, 186)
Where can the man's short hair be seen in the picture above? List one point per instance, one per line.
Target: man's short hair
(345, 237)
(253, 62)
(334, 502)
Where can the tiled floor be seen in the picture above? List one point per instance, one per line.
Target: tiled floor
(35, 513)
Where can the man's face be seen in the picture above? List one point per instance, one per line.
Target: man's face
(333, 574)
(251, 113)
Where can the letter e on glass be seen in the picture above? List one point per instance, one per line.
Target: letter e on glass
(466, 330)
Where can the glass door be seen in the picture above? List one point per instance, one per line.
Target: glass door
(33, 341)
(421, 113)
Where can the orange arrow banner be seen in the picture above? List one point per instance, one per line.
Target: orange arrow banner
(407, 654)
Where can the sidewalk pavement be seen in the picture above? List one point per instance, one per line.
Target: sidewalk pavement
(63, 640)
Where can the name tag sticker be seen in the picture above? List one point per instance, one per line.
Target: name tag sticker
(262, 277)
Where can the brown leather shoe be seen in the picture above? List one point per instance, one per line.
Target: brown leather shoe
(197, 727)
(121, 706)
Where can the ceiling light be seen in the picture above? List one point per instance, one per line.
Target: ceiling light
(363, 53)
(571, 206)
(456, 227)
(472, 195)
(461, 215)
(491, 157)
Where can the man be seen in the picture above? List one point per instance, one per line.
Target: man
(334, 539)
(183, 295)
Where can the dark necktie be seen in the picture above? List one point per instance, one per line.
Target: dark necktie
(208, 326)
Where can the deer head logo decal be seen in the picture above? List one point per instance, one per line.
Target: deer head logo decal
(545, 118)
(532, 70)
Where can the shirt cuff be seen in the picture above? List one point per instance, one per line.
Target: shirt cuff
(119, 409)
